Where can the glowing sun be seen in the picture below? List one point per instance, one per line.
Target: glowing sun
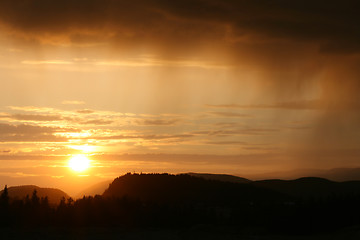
(79, 163)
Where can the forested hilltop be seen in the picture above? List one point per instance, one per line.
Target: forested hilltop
(182, 201)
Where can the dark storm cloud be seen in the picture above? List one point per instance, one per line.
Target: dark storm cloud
(331, 24)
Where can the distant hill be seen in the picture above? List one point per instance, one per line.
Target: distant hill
(305, 187)
(220, 177)
(311, 187)
(335, 174)
(342, 174)
(185, 188)
(19, 192)
(182, 202)
(97, 189)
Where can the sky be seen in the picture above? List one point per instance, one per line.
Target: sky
(220, 86)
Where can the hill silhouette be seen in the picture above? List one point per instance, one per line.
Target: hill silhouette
(20, 192)
(342, 174)
(305, 187)
(185, 188)
(200, 187)
(220, 177)
(165, 201)
(334, 174)
(311, 187)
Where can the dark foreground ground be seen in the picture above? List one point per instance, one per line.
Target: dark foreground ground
(163, 206)
(200, 232)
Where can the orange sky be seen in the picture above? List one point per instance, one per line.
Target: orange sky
(166, 86)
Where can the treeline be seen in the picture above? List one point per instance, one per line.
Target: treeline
(128, 211)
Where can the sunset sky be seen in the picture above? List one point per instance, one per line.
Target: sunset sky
(220, 86)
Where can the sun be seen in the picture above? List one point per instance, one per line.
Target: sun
(79, 163)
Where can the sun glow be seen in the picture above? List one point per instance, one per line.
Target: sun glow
(79, 163)
(83, 148)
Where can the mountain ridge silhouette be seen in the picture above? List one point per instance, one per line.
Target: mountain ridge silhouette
(19, 192)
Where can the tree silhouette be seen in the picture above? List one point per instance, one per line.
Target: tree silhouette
(177, 201)
(35, 200)
(4, 206)
(62, 203)
(44, 201)
(5, 197)
(70, 202)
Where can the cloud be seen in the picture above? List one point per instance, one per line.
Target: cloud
(45, 62)
(253, 160)
(85, 111)
(36, 117)
(319, 104)
(157, 122)
(284, 44)
(300, 105)
(14, 50)
(333, 25)
(235, 132)
(226, 143)
(145, 137)
(141, 61)
(155, 62)
(97, 122)
(230, 114)
(30, 133)
(260, 148)
(33, 109)
(72, 102)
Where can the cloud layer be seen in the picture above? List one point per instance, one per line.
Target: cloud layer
(331, 24)
(271, 79)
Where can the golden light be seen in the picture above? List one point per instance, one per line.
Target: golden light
(84, 148)
(79, 163)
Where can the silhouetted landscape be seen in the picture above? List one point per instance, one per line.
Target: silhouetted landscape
(191, 204)
(180, 119)
(23, 192)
